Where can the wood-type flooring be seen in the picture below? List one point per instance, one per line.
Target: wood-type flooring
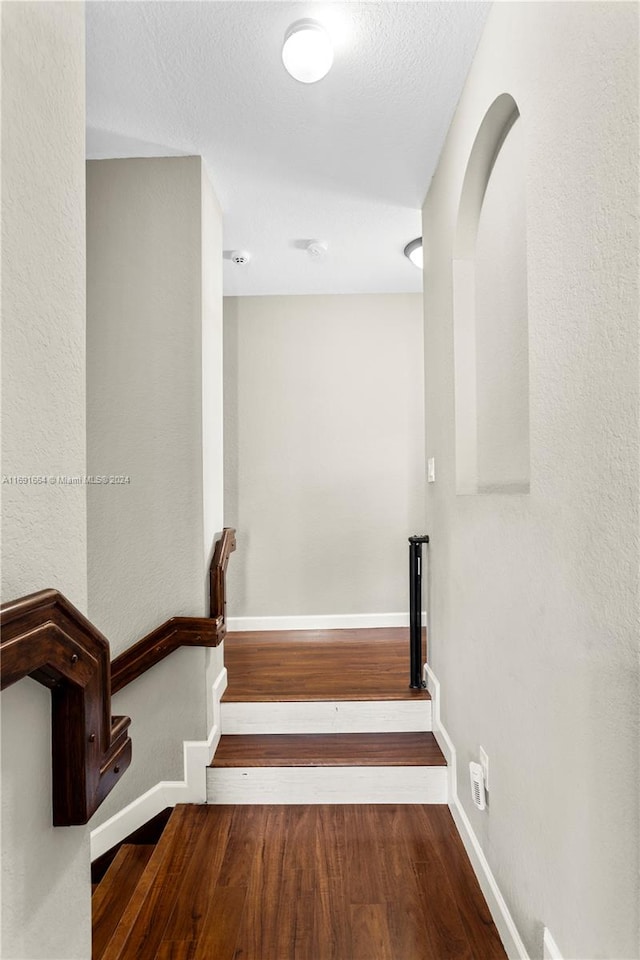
(357, 882)
(319, 665)
(329, 750)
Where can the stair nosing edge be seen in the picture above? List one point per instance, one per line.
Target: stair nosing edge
(120, 938)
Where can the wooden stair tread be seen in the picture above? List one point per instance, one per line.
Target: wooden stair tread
(299, 665)
(329, 750)
(168, 859)
(342, 881)
(114, 891)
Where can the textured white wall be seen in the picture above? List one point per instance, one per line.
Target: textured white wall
(212, 404)
(534, 598)
(324, 451)
(501, 322)
(46, 911)
(144, 393)
(43, 298)
(153, 303)
(212, 376)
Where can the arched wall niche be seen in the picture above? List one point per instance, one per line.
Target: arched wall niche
(490, 311)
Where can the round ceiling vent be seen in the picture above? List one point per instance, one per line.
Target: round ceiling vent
(240, 256)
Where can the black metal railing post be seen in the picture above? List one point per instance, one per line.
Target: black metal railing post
(415, 610)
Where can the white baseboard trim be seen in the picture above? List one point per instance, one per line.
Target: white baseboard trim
(193, 789)
(326, 716)
(498, 908)
(321, 621)
(550, 949)
(312, 785)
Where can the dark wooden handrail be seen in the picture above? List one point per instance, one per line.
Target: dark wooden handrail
(45, 637)
(181, 631)
(169, 636)
(217, 575)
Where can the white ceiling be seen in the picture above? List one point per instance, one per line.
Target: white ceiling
(347, 160)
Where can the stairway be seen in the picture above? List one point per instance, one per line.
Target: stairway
(324, 717)
(299, 882)
(113, 893)
(326, 835)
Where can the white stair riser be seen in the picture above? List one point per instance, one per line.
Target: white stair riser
(327, 785)
(327, 716)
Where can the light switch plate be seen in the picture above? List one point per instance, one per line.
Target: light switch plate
(484, 763)
(431, 470)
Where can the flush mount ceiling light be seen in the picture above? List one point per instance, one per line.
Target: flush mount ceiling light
(413, 251)
(307, 53)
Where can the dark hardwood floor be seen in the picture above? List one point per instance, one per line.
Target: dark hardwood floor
(319, 665)
(370, 882)
(329, 750)
(114, 892)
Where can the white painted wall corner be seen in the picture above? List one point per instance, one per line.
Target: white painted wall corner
(321, 621)
(502, 918)
(167, 793)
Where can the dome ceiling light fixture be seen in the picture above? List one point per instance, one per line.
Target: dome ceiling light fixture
(307, 52)
(413, 251)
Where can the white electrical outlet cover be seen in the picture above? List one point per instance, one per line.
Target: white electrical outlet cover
(477, 785)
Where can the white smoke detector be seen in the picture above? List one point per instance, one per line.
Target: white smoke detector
(240, 256)
(316, 249)
(477, 785)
